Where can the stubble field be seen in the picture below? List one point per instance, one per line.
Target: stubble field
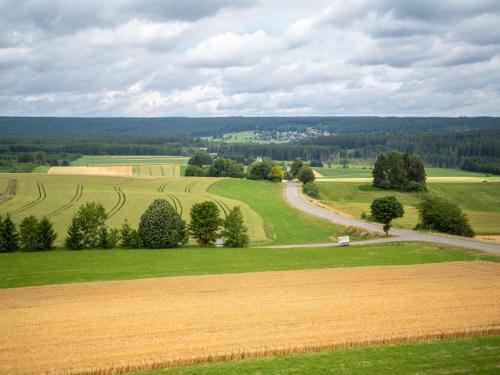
(141, 324)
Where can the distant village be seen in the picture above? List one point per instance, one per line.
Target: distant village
(290, 135)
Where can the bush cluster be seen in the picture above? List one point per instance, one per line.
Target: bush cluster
(399, 171)
(439, 214)
(265, 170)
(311, 189)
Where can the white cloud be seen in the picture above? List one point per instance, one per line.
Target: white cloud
(249, 57)
(230, 49)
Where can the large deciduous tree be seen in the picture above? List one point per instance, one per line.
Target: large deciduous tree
(161, 226)
(306, 175)
(385, 209)
(205, 222)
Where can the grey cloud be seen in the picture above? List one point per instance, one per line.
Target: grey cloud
(62, 16)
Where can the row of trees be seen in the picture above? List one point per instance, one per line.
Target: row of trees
(399, 171)
(33, 235)
(160, 226)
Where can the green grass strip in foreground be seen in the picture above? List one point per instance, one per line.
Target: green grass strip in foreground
(56, 267)
(475, 355)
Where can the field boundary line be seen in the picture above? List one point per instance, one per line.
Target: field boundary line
(76, 197)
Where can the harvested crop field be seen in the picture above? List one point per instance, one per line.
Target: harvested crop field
(139, 324)
(120, 170)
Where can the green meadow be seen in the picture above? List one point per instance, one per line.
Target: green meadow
(479, 200)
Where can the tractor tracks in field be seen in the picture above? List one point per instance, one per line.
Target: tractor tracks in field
(42, 195)
(175, 201)
(224, 207)
(122, 199)
(76, 197)
(188, 188)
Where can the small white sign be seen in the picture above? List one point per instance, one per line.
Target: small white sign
(343, 240)
(219, 242)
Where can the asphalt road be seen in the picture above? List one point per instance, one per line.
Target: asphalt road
(295, 198)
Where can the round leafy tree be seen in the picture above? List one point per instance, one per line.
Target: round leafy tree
(276, 174)
(161, 226)
(306, 175)
(385, 209)
(205, 222)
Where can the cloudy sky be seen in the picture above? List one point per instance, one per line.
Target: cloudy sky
(249, 57)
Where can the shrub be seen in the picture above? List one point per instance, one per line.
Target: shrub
(235, 231)
(306, 175)
(311, 189)
(205, 222)
(9, 238)
(413, 186)
(129, 237)
(29, 234)
(385, 209)
(194, 171)
(437, 213)
(161, 226)
(276, 174)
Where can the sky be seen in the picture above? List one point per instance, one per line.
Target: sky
(150, 58)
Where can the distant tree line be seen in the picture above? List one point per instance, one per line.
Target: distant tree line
(174, 126)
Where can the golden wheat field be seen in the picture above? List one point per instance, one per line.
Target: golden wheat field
(111, 327)
(120, 170)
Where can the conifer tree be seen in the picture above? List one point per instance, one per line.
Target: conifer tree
(75, 237)
(46, 234)
(9, 235)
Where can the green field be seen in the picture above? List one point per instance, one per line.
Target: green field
(241, 137)
(58, 197)
(283, 224)
(55, 267)
(364, 171)
(475, 355)
(91, 161)
(481, 201)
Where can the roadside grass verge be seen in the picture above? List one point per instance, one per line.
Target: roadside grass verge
(56, 267)
(474, 355)
(283, 224)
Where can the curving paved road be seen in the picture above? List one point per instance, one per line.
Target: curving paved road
(295, 198)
